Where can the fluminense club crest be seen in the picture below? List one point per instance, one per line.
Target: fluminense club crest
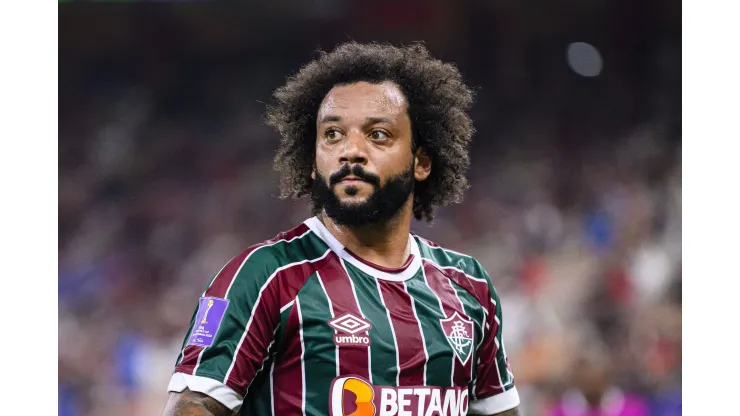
(459, 333)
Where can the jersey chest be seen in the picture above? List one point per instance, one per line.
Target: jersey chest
(420, 332)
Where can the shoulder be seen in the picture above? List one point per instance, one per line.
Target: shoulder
(461, 268)
(297, 245)
(450, 259)
(260, 262)
(284, 248)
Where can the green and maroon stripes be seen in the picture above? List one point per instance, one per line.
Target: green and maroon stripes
(320, 363)
(353, 360)
(439, 356)
(492, 375)
(191, 355)
(288, 374)
(279, 289)
(337, 290)
(303, 353)
(421, 331)
(185, 345)
(407, 333)
(478, 314)
(275, 345)
(473, 293)
(245, 281)
(488, 380)
(449, 304)
(383, 349)
(477, 287)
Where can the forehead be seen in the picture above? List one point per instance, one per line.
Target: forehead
(364, 99)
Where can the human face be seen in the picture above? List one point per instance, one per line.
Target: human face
(365, 168)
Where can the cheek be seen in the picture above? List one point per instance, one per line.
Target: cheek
(398, 164)
(321, 162)
(324, 171)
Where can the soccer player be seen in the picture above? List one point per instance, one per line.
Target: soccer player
(350, 314)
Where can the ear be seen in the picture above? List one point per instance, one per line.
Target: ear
(422, 164)
(313, 172)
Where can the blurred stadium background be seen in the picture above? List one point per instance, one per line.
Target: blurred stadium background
(575, 207)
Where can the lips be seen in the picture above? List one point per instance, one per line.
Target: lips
(352, 180)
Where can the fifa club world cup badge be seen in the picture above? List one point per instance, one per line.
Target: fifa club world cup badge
(210, 313)
(459, 333)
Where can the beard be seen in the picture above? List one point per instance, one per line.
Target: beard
(382, 205)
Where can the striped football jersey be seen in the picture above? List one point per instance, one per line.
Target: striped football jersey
(299, 325)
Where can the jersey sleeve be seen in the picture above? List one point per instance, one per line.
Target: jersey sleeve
(231, 332)
(493, 390)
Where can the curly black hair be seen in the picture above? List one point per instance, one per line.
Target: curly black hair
(438, 102)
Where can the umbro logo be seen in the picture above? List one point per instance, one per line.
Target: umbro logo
(350, 330)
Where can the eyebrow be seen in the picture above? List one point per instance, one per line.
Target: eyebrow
(368, 121)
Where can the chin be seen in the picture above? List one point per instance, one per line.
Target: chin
(359, 196)
(353, 201)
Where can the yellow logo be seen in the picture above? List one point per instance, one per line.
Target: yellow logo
(354, 396)
(205, 315)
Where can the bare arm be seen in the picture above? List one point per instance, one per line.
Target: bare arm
(191, 403)
(510, 412)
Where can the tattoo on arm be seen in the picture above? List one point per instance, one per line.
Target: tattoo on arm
(191, 403)
(510, 412)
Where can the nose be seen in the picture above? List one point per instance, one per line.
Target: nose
(354, 150)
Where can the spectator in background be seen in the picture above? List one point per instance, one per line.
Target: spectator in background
(594, 392)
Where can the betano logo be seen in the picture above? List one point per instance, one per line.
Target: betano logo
(354, 396)
(348, 329)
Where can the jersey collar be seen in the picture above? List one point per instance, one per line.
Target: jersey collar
(315, 224)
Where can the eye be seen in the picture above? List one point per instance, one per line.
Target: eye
(379, 135)
(333, 134)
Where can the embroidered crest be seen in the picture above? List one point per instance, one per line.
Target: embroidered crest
(459, 333)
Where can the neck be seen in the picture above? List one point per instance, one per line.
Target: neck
(385, 244)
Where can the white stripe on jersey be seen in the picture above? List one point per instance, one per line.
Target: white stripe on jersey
(442, 309)
(498, 371)
(493, 301)
(267, 357)
(421, 331)
(182, 354)
(256, 304)
(303, 352)
(359, 308)
(333, 315)
(444, 249)
(469, 276)
(272, 391)
(393, 331)
(462, 308)
(288, 305)
(233, 279)
(256, 250)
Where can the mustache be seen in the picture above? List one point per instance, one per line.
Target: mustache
(355, 170)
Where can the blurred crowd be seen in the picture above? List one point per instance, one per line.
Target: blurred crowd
(165, 173)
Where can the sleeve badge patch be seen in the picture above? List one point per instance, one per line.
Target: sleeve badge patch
(207, 321)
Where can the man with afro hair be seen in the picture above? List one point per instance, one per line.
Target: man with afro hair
(350, 313)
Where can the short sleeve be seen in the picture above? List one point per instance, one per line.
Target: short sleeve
(493, 390)
(231, 332)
